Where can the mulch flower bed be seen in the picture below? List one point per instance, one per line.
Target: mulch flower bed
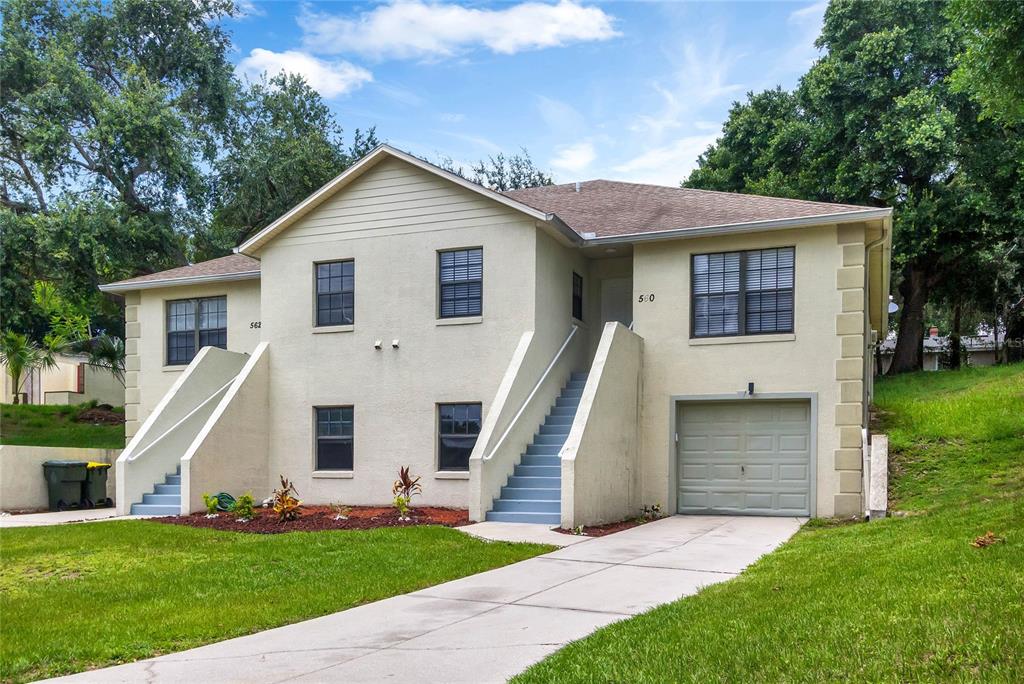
(318, 518)
(100, 415)
(607, 528)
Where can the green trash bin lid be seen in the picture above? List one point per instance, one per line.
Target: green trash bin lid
(66, 464)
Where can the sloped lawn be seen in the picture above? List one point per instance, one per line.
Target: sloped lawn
(41, 425)
(75, 597)
(908, 598)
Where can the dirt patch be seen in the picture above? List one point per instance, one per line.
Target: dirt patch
(607, 528)
(319, 518)
(100, 415)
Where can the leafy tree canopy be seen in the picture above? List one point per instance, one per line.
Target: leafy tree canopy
(991, 67)
(501, 172)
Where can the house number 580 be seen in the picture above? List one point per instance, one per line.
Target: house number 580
(646, 298)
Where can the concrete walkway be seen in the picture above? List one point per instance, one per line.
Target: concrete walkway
(488, 627)
(57, 517)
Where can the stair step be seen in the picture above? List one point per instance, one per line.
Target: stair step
(173, 479)
(529, 482)
(575, 393)
(563, 411)
(177, 469)
(536, 460)
(519, 517)
(550, 439)
(578, 376)
(559, 419)
(543, 449)
(155, 509)
(538, 470)
(167, 489)
(555, 429)
(575, 384)
(531, 493)
(527, 505)
(162, 499)
(567, 402)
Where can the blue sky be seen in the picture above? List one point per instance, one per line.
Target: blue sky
(622, 90)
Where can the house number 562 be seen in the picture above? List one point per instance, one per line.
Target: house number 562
(255, 324)
(646, 298)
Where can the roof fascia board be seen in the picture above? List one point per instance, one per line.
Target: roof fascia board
(747, 227)
(348, 175)
(176, 282)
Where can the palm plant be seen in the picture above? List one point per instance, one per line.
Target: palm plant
(22, 356)
(106, 351)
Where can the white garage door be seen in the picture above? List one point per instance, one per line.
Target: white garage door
(744, 457)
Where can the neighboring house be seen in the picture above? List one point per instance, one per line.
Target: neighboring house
(978, 350)
(562, 354)
(72, 381)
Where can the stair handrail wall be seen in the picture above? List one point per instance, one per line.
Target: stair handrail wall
(600, 458)
(168, 431)
(229, 454)
(517, 411)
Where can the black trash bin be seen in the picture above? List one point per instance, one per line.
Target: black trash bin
(64, 481)
(95, 487)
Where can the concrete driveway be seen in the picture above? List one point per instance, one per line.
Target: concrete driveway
(488, 627)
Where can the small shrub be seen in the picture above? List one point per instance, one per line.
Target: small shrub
(286, 501)
(245, 508)
(649, 513)
(211, 502)
(404, 489)
(340, 511)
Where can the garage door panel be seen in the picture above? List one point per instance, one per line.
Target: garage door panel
(744, 457)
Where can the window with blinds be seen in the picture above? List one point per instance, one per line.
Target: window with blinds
(193, 324)
(743, 293)
(461, 274)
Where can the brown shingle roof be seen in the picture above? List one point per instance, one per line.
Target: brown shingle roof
(611, 208)
(224, 268)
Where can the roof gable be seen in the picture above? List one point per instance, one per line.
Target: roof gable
(258, 241)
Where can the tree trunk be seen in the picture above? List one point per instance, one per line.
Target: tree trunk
(908, 356)
(954, 338)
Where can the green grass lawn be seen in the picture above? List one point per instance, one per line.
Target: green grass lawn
(82, 596)
(903, 599)
(38, 425)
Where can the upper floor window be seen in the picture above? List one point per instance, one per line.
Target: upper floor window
(335, 293)
(461, 275)
(193, 324)
(577, 296)
(743, 293)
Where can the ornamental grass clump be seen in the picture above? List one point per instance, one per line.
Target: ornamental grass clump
(404, 489)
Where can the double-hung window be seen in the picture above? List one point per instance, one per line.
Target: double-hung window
(335, 293)
(743, 293)
(334, 438)
(577, 296)
(461, 276)
(458, 426)
(193, 324)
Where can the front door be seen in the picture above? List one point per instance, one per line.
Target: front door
(617, 300)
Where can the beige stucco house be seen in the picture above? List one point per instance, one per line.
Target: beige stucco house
(560, 355)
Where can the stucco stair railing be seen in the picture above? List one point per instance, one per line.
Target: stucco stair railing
(156, 450)
(533, 380)
(600, 456)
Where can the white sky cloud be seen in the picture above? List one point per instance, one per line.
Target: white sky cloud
(574, 158)
(416, 29)
(667, 164)
(330, 78)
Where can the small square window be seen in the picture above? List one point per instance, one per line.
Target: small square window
(193, 324)
(461, 278)
(458, 426)
(334, 438)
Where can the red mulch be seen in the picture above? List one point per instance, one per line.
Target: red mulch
(100, 415)
(607, 528)
(318, 518)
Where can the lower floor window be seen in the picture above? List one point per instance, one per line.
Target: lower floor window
(458, 428)
(334, 438)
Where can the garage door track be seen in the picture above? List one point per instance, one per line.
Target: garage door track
(487, 627)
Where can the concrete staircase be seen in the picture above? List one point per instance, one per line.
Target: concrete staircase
(533, 493)
(165, 498)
